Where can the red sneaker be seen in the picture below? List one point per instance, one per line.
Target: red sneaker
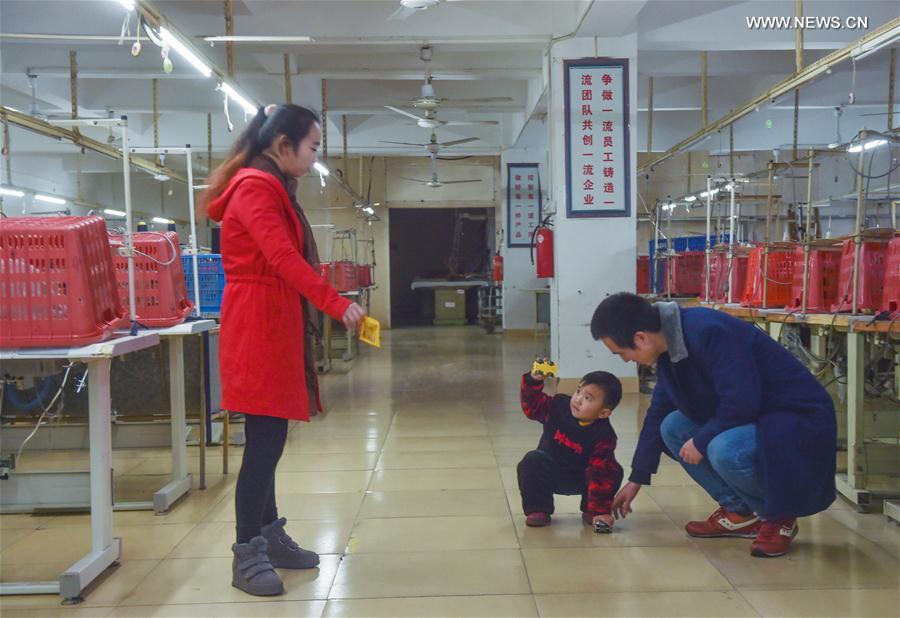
(537, 519)
(774, 538)
(724, 523)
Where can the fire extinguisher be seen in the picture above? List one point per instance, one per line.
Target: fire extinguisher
(542, 242)
(497, 272)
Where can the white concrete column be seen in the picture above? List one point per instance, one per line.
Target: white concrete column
(519, 276)
(594, 257)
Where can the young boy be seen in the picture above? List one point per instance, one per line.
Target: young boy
(576, 452)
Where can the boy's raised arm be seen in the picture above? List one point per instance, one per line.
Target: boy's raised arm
(535, 402)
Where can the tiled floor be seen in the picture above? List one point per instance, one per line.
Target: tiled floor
(407, 489)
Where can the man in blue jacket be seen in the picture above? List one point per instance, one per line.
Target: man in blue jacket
(749, 423)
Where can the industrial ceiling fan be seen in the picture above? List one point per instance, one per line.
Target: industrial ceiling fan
(430, 121)
(409, 7)
(433, 147)
(435, 182)
(428, 99)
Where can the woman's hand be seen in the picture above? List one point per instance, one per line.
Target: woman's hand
(353, 316)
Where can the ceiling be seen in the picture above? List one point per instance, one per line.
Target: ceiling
(370, 60)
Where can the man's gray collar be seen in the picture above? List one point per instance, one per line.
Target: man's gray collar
(670, 317)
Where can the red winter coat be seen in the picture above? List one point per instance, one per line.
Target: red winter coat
(261, 340)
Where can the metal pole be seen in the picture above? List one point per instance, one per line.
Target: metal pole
(129, 221)
(7, 153)
(704, 108)
(193, 240)
(891, 78)
(229, 30)
(155, 83)
(708, 239)
(655, 256)
(344, 136)
(325, 120)
(731, 149)
(798, 39)
(809, 206)
(650, 118)
(288, 89)
(731, 243)
(769, 202)
(669, 250)
(857, 234)
(796, 120)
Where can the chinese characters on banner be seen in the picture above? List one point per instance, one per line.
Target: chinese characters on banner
(523, 199)
(597, 141)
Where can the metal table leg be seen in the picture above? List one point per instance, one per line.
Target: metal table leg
(181, 479)
(203, 413)
(105, 550)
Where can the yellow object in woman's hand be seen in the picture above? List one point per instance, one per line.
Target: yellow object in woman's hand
(370, 331)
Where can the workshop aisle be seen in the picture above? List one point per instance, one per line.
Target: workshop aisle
(407, 489)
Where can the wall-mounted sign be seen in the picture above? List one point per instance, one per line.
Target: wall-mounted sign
(523, 203)
(597, 138)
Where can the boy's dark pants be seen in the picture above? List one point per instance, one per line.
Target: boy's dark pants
(540, 476)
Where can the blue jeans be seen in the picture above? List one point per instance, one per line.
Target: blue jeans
(729, 471)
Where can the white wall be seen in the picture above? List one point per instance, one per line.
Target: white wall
(593, 257)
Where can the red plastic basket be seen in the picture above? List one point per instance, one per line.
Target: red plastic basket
(643, 274)
(160, 292)
(780, 279)
(870, 288)
(58, 286)
(364, 275)
(687, 273)
(823, 273)
(342, 275)
(890, 301)
(718, 277)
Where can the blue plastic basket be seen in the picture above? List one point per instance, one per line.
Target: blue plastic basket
(212, 282)
(663, 245)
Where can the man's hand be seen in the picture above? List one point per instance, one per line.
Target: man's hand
(353, 316)
(621, 506)
(689, 453)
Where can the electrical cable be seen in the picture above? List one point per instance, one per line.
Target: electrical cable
(46, 411)
(877, 135)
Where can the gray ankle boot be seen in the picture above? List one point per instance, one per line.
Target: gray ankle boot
(284, 553)
(251, 570)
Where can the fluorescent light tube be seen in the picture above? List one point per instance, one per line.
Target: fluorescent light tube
(49, 199)
(114, 213)
(233, 94)
(11, 192)
(185, 53)
(162, 220)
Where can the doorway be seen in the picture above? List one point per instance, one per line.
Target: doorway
(436, 243)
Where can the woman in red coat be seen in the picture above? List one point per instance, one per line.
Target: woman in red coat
(265, 352)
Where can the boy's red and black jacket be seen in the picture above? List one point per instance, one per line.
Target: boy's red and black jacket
(586, 450)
